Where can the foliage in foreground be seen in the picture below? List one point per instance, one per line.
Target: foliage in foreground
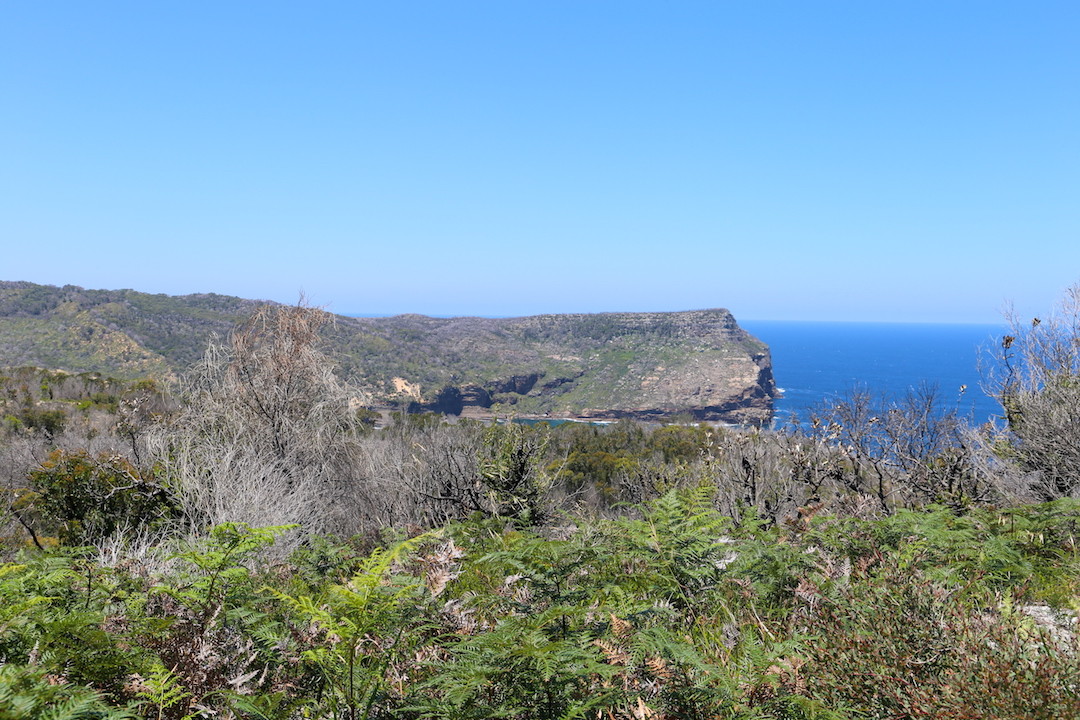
(680, 612)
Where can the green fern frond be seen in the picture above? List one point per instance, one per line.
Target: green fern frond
(25, 693)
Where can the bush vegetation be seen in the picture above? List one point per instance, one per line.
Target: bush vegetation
(247, 545)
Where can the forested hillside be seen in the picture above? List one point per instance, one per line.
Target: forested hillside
(121, 333)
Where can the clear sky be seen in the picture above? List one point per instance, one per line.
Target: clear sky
(900, 161)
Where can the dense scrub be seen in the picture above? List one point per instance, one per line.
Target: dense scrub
(248, 546)
(681, 612)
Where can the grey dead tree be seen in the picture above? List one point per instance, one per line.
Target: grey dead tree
(432, 474)
(776, 472)
(934, 450)
(1036, 378)
(419, 476)
(265, 432)
(853, 423)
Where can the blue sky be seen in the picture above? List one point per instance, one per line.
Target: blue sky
(904, 161)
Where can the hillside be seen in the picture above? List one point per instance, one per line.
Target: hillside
(123, 333)
(611, 365)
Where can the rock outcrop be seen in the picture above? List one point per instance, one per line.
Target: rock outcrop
(647, 366)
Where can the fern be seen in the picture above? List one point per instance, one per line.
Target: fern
(19, 603)
(525, 667)
(364, 624)
(162, 691)
(678, 550)
(26, 693)
(220, 561)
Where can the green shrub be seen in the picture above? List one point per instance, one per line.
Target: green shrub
(87, 498)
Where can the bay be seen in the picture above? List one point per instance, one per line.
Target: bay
(815, 362)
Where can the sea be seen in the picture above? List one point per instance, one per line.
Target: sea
(818, 362)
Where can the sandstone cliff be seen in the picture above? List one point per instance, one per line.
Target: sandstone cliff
(609, 365)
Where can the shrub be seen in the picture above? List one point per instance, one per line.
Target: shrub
(895, 644)
(88, 498)
(1036, 378)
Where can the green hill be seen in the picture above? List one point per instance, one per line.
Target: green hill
(610, 365)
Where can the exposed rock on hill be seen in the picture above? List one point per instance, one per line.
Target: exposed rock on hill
(610, 365)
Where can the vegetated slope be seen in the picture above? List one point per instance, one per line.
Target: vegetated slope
(122, 333)
(610, 365)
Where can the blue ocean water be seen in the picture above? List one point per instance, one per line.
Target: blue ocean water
(816, 361)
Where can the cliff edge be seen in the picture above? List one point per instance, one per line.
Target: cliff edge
(648, 366)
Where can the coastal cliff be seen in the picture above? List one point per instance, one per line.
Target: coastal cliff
(647, 366)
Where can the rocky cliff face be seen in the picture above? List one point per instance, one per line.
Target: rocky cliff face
(649, 366)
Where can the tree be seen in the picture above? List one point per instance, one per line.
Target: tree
(1036, 378)
(912, 448)
(266, 433)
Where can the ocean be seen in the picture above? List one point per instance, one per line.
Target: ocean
(817, 361)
